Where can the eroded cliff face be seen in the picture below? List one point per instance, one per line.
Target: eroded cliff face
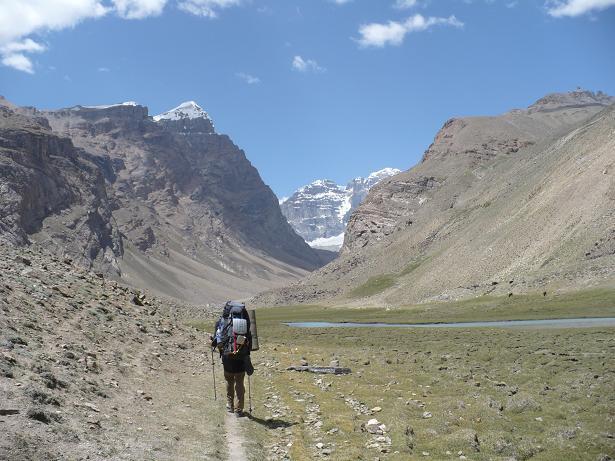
(525, 197)
(51, 193)
(196, 220)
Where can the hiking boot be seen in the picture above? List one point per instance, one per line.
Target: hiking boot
(240, 413)
(229, 408)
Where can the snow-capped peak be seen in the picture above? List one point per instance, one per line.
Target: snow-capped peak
(320, 210)
(186, 110)
(384, 173)
(107, 106)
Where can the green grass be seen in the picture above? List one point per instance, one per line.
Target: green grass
(373, 286)
(380, 283)
(588, 303)
(462, 377)
(492, 383)
(411, 267)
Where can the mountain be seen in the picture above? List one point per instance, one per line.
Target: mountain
(163, 202)
(516, 203)
(320, 211)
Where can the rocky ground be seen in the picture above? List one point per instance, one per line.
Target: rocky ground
(90, 369)
(482, 394)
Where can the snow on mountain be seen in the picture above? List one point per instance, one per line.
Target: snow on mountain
(328, 243)
(187, 119)
(126, 103)
(186, 110)
(320, 210)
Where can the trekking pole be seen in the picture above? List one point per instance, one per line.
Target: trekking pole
(213, 373)
(250, 394)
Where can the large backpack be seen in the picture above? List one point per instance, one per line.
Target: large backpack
(234, 331)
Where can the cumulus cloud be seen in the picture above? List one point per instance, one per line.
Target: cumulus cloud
(206, 8)
(571, 8)
(12, 54)
(138, 9)
(21, 18)
(393, 32)
(306, 65)
(18, 61)
(249, 79)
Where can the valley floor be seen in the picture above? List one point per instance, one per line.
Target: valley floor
(476, 394)
(91, 370)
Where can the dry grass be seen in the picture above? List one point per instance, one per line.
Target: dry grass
(492, 393)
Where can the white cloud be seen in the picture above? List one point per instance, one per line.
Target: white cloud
(19, 62)
(405, 4)
(12, 54)
(138, 9)
(28, 46)
(21, 18)
(207, 8)
(104, 69)
(393, 33)
(340, 2)
(572, 8)
(249, 79)
(306, 65)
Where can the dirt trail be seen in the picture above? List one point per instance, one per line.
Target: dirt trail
(235, 440)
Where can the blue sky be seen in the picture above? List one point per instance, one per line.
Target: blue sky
(309, 88)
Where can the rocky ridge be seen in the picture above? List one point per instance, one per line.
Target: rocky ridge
(517, 203)
(320, 210)
(163, 202)
(52, 191)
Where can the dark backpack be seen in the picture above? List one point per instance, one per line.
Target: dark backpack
(234, 331)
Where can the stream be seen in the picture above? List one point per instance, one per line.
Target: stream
(542, 323)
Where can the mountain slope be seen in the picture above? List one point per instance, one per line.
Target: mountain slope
(52, 191)
(320, 211)
(514, 203)
(193, 217)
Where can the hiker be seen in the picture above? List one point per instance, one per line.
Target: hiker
(233, 340)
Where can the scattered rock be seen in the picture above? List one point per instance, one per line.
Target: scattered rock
(22, 260)
(139, 299)
(7, 412)
(39, 414)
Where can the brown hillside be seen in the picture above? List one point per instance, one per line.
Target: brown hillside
(515, 203)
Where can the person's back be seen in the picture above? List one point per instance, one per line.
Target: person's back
(235, 351)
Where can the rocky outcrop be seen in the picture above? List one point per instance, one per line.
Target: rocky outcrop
(53, 194)
(524, 197)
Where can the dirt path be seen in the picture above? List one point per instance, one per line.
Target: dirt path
(235, 440)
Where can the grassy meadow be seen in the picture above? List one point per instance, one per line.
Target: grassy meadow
(476, 394)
